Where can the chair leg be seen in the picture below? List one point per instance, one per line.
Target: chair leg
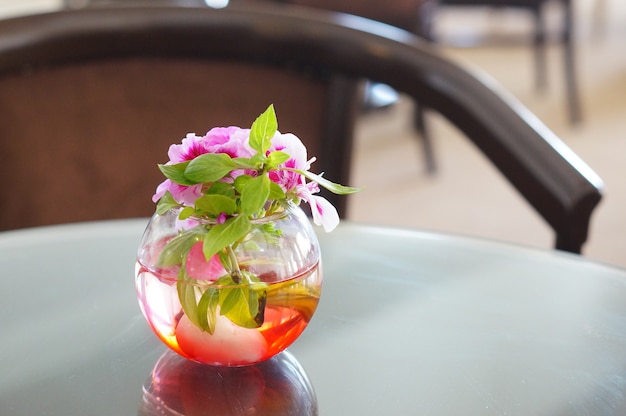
(343, 103)
(539, 43)
(421, 126)
(424, 29)
(573, 99)
(598, 18)
(568, 244)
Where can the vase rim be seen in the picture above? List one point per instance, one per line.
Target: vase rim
(204, 284)
(287, 206)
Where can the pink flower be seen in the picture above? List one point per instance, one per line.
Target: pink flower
(185, 195)
(291, 145)
(191, 147)
(232, 141)
(198, 267)
(323, 212)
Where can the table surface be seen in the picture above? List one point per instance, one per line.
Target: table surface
(409, 323)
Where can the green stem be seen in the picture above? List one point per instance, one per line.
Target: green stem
(235, 270)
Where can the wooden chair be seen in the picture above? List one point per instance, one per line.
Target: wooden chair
(537, 10)
(92, 98)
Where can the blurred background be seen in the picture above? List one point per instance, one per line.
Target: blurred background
(498, 42)
(465, 194)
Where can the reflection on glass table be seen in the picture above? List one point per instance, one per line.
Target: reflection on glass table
(178, 386)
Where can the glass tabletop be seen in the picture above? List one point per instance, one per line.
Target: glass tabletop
(409, 323)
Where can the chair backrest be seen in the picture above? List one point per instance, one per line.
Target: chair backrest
(554, 181)
(90, 107)
(405, 14)
(495, 3)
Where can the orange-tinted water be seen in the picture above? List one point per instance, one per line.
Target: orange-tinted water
(289, 307)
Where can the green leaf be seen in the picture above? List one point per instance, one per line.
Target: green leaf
(258, 159)
(230, 297)
(276, 158)
(221, 188)
(254, 194)
(223, 235)
(215, 204)
(263, 129)
(243, 305)
(187, 298)
(331, 186)
(240, 182)
(166, 202)
(245, 163)
(209, 167)
(207, 309)
(186, 213)
(276, 192)
(226, 262)
(270, 229)
(177, 248)
(176, 173)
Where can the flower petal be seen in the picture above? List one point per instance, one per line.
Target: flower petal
(324, 213)
(161, 189)
(185, 195)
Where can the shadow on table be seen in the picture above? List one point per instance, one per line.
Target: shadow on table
(178, 386)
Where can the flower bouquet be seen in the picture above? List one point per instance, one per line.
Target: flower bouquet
(228, 270)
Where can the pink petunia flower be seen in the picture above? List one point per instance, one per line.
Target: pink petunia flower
(293, 146)
(185, 195)
(323, 212)
(232, 141)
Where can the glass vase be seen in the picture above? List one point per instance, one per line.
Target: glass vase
(246, 321)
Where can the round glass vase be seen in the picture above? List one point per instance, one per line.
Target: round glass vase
(194, 313)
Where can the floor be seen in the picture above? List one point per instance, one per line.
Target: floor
(466, 195)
